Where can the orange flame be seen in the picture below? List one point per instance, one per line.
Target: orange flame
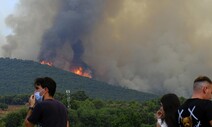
(80, 71)
(77, 70)
(47, 63)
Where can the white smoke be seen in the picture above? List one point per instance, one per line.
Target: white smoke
(147, 45)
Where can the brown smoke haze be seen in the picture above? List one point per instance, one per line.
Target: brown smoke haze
(146, 45)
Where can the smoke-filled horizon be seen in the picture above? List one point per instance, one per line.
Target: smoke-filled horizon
(145, 45)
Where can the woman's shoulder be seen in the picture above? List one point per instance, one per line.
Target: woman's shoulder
(162, 123)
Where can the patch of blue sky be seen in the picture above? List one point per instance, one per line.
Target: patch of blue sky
(7, 7)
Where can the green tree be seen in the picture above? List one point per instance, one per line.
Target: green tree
(80, 95)
(15, 119)
(3, 106)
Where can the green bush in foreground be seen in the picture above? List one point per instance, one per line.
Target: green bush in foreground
(86, 112)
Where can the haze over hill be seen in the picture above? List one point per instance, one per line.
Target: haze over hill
(17, 76)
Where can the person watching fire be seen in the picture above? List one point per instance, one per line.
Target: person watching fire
(44, 110)
(197, 110)
(166, 115)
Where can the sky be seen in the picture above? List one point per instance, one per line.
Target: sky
(7, 7)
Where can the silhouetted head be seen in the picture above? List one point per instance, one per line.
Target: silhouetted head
(170, 103)
(46, 83)
(202, 87)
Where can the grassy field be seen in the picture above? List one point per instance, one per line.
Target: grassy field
(11, 108)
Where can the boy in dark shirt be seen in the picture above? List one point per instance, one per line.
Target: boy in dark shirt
(47, 112)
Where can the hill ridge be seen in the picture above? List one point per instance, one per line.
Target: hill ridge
(17, 76)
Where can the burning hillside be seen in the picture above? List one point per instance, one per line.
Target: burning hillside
(75, 69)
(139, 44)
(47, 63)
(81, 71)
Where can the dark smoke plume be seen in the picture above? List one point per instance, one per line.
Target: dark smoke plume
(74, 20)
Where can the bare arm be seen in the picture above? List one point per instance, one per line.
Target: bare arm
(157, 125)
(67, 124)
(210, 122)
(26, 122)
(159, 114)
(31, 104)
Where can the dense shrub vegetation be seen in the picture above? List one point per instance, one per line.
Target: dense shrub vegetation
(87, 112)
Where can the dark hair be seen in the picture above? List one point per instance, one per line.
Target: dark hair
(46, 82)
(170, 104)
(203, 79)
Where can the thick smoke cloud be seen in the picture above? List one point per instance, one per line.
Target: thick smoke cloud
(29, 22)
(152, 46)
(75, 19)
(145, 45)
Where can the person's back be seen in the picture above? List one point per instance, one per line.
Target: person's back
(50, 113)
(197, 111)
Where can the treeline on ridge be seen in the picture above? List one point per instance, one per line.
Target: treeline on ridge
(17, 77)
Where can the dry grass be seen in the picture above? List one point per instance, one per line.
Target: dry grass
(11, 108)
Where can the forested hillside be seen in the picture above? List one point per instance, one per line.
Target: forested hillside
(17, 76)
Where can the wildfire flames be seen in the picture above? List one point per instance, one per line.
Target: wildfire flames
(77, 70)
(47, 63)
(80, 71)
